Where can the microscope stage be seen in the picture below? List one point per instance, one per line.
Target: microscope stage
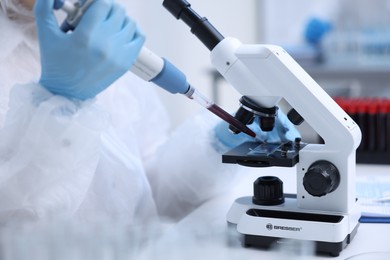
(254, 154)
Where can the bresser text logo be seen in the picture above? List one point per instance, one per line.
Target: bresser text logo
(270, 227)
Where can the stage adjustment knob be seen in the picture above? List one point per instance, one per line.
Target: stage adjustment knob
(268, 190)
(321, 178)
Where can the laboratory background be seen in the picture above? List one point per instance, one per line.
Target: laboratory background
(343, 45)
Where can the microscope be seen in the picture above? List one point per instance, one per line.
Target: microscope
(325, 209)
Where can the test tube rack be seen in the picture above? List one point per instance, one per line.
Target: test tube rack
(373, 117)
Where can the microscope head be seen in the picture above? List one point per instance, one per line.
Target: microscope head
(249, 110)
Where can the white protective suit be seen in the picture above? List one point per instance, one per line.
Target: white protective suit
(107, 157)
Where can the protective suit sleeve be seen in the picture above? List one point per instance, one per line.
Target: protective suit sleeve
(187, 170)
(49, 150)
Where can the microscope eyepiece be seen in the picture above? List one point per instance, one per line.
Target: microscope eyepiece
(176, 7)
(200, 26)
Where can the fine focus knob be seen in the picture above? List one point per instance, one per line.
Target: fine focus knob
(268, 190)
(321, 178)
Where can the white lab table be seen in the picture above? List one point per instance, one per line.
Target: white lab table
(369, 238)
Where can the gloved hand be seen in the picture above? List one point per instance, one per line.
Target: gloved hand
(83, 63)
(283, 131)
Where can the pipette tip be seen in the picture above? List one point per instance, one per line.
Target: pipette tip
(248, 131)
(193, 94)
(231, 120)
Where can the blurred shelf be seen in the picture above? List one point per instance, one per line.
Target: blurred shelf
(367, 75)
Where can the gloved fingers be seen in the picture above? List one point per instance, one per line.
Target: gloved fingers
(286, 130)
(44, 18)
(130, 41)
(135, 45)
(116, 18)
(290, 135)
(226, 140)
(128, 32)
(96, 13)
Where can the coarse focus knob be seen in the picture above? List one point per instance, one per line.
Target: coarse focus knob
(321, 178)
(268, 190)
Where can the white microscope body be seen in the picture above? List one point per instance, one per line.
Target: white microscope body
(265, 74)
(325, 209)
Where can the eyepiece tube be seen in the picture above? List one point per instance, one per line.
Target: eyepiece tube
(200, 26)
(176, 7)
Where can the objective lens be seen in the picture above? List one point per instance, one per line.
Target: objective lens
(267, 123)
(250, 110)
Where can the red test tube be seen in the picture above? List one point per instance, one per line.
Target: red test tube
(371, 134)
(381, 126)
(387, 136)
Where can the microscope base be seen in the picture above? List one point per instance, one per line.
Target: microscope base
(321, 247)
(263, 226)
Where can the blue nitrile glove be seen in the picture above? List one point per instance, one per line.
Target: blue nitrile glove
(81, 64)
(283, 131)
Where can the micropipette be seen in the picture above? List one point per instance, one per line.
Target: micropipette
(153, 68)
